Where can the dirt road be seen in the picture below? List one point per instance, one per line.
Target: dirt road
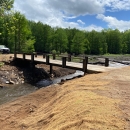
(93, 102)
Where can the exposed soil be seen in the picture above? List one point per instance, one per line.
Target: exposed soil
(93, 102)
(10, 74)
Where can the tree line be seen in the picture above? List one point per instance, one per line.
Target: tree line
(22, 35)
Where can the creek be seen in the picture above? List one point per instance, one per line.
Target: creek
(12, 92)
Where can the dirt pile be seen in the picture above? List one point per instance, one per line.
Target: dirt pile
(10, 74)
(93, 102)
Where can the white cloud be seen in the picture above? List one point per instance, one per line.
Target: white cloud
(93, 27)
(60, 12)
(114, 22)
(65, 8)
(77, 7)
(80, 21)
(116, 4)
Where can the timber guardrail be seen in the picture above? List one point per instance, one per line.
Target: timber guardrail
(65, 62)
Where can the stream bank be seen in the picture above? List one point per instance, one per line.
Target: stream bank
(11, 74)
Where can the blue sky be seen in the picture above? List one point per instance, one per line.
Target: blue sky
(82, 14)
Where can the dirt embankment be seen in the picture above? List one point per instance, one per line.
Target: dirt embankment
(93, 102)
(10, 74)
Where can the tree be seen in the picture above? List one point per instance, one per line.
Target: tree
(19, 31)
(105, 47)
(126, 42)
(87, 46)
(78, 43)
(28, 46)
(94, 41)
(60, 40)
(5, 6)
(43, 36)
(70, 35)
(124, 48)
(113, 39)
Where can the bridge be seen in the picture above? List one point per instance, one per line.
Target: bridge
(46, 59)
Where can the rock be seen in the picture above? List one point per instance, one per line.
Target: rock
(6, 62)
(7, 82)
(16, 83)
(62, 80)
(22, 82)
(11, 82)
(6, 72)
(20, 73)
(52, 75)
(31, 110)
(61, 83)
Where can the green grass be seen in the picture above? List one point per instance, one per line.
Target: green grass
(120, 57)
(116, 55)
(1, 64)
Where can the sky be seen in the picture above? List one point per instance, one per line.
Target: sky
(81, 14)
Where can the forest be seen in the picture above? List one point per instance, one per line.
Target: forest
(22, 35)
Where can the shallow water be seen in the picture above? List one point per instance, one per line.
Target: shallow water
(44, 83)
(14, 91)
(116, 65)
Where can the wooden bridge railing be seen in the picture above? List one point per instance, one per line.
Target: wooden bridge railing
(64, 60)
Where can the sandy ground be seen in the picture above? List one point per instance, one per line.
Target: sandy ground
(93, 102)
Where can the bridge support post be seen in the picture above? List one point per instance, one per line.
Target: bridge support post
(32, 65)
(69, 57)
(64, 62)
(32, 57)
(106, 62)
(47, 59)
(85, 62)
(23, 56)
(51, 68)
(35, 53)
(15, 55)
(54, 56)
(44, 55)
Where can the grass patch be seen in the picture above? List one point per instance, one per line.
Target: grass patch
(1, 64)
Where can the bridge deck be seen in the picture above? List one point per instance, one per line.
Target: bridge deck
(71, 65)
